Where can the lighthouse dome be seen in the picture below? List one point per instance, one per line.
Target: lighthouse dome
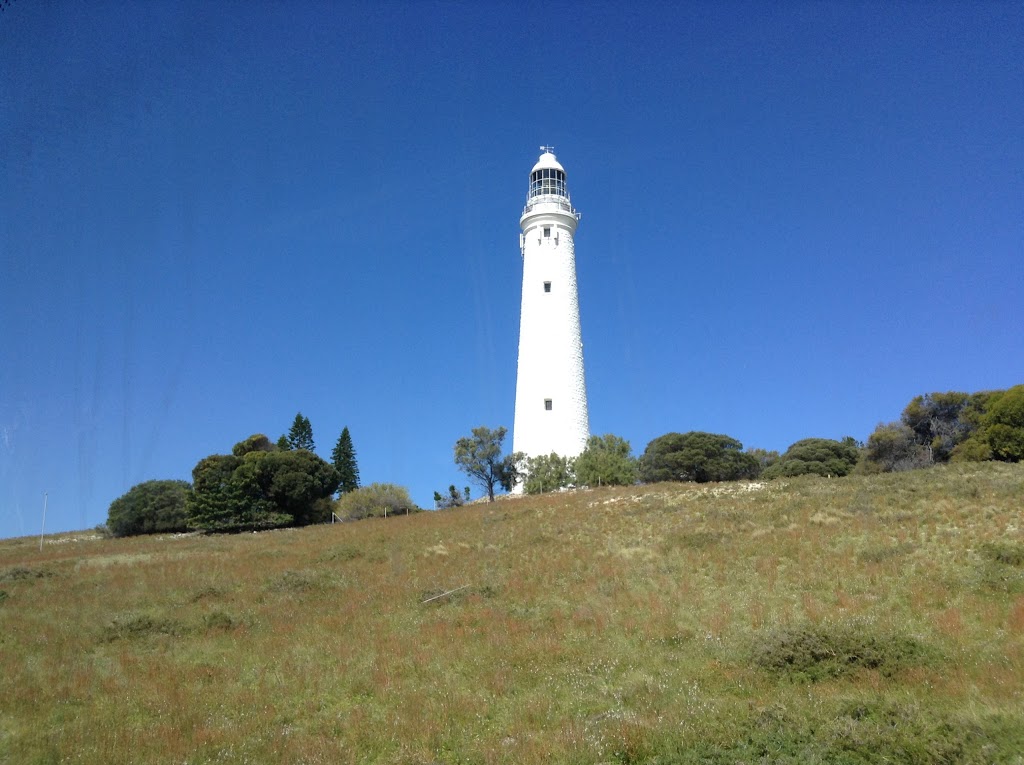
(547, 161)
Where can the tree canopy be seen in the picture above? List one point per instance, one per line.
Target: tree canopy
(260, 489)
(821, 456)
(344, 459)
(300, 435)
(606, 461)
(951, 426)
(152, 507)
(696, 456)
(479, 456)
(893, 447)
(547, 472)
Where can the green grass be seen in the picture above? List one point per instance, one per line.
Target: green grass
(869, 619)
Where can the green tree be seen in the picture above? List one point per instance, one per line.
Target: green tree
(547, 473)
(606, 461)
(453, 499)
(300, 435)
(258, 489)
(344, 459)
(375, 501)
(893, 447)
(821, 456)
(254, 443)
(479, 457)
(1003, 425)
(941, 421)
(696, 456)
(765, 458)
(282, 443)
(152, 507)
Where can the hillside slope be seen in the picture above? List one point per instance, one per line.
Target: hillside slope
(864, 619)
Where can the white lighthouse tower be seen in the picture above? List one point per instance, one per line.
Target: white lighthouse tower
(551, 391)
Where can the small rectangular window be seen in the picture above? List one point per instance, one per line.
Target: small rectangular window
(547, 404)
(547, 231)
(547, 286)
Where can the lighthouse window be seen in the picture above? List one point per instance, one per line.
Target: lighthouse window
(547, 405)
(547, 286)
(547, 231)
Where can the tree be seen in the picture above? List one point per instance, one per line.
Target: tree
(344, 459)
(454, 499)
(821, 456)
(696, 456)
(373, 501)
(941, 421)
(479, 457)
(606, 461)
(765, 458)
(300, 435)
(254, 443)
(152, 507)
(894, 447)
(1003, 425)
(259, 489)
(547, 473)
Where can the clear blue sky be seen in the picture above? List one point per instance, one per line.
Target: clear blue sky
(796, 217)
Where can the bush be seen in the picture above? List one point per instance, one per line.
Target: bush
(607, 461)
(820, 456)
(259, 487)
(892, 448)
(375, 500)
(696, 456)
(819, 651)
(548, 473)
(152, 507)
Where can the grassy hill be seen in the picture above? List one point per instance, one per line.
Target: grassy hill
(857, 620)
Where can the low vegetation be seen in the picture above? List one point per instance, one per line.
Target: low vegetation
(868, 619)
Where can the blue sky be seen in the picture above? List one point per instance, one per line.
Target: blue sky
(796, 217)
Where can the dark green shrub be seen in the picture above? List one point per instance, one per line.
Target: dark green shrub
(220, 621)
(819, 456)
(818, 651)
(138, 626)
(1008, 553)
(22, 574)
(152, 507)
(696, 456)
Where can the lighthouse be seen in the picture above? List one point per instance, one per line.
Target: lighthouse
(551, 391)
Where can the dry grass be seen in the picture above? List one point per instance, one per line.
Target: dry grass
(615, 625)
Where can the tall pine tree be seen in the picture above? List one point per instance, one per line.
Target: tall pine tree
(344, 458)
(300, 435)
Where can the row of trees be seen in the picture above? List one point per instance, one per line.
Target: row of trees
(266, 485)
(934, 428)
(606, 461)
(950, 427)
(260, 485)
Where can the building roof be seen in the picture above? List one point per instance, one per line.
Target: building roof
(547, 160)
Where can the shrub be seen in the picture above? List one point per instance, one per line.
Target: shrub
(375, 500)
(548, 473)
(892, 448)
(152, 507)
(138, 626)
(818, 651)
(696, 456)
(820, 456)
(22, 573)
(607, 461)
